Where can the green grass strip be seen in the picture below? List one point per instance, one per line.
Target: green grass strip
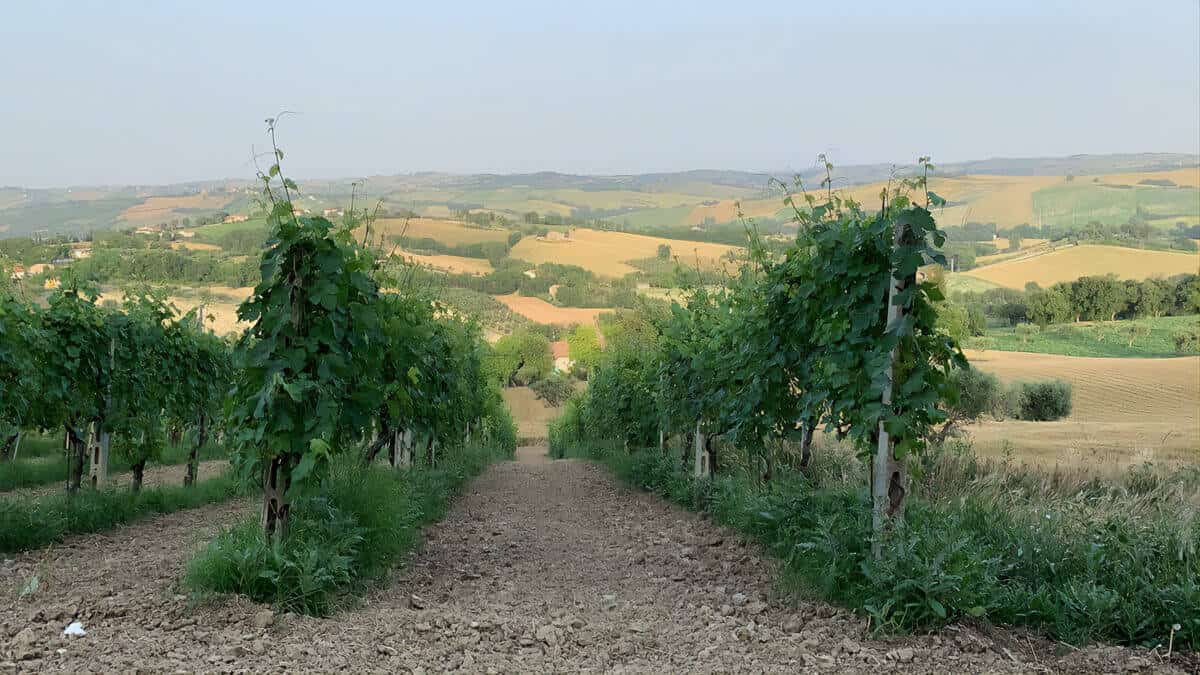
(1080, 559)
(35, 522)
(24, 473)
(342, 539)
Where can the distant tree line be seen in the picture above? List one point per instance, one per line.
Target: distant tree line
(1091, 298)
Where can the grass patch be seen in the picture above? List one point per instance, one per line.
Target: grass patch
(341, 541)
(1148, 338)
(41, 521)
(41, 469)
(1079, 558)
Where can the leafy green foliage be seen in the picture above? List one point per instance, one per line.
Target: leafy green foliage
(584, 346)
(341, 540)
(1043, 401)
(1081, 560)
(554, 390)
(29, 523)
(520, 358)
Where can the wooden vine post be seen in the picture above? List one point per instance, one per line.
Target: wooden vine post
(888, 476)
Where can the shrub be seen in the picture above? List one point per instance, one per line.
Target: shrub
(978, 394)
(1187, 341)
(554, 390)
(1027, 330)
(1043, 401)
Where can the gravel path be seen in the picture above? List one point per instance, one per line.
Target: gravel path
(540, 566)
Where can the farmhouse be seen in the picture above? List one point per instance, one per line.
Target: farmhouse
(18, 272)
(561, 353)
(81, 251)
(532, 274)
(39, 268)
(236, 218)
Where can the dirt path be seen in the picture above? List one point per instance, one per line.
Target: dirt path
(155, 476)
(540, 566)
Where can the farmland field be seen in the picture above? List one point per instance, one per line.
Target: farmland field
(449, 263)
(531, 414)
(157, 209)
(605, 253)
(1126, 411)
(220, 310)
(540, 311)
(449, 232)
(1081, 201)
(1071, 263)
(1104, 339)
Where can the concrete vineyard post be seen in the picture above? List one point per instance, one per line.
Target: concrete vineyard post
(99, 459)
(396, 449)
(406, 448)
(888, 475)
(701, 461)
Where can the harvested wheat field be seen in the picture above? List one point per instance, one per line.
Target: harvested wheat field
(194, 246)
(220, 311)
(449, 263)
(156, 209)
(1068, 264)
(726, 210)
(1126, 411)
(449, 232)
(540, 311)
(1189, 177)
(531, 414)
(605, 253)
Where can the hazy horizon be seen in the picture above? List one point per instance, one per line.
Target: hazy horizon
(125, 93)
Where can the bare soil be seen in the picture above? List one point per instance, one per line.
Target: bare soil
(540, 566)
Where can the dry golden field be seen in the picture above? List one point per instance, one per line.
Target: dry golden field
(605, 253)
(540, 311)
(194, 246)
(449, 263)
(220, 310)
(1068, 264)
(1126, 411)
(531, 414)
(1189, 177)
(449, 232)
(157, 209)
(727, 210)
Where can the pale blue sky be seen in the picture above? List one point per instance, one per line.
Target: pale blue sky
(157, 92)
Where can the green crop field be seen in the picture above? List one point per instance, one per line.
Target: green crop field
(1154, 338)
(67, 216)
(1078, 202)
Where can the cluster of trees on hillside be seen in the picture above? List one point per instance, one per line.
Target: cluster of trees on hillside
(493, 251)
(165, 265)
(1136, 231)
(1093, 298)
(575, 286)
